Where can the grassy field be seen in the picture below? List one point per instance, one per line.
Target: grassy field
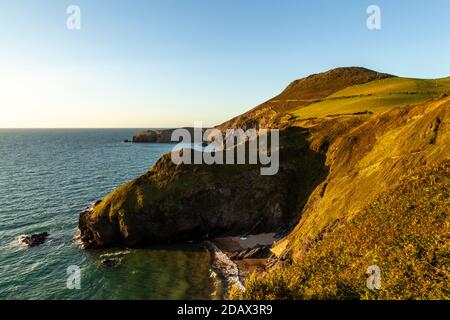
(375, 96)
(396, 85)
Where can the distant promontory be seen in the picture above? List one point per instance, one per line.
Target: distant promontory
(156, 136)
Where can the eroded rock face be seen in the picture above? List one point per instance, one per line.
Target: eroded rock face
(179, 203)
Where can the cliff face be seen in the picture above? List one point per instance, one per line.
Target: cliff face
(177, 203)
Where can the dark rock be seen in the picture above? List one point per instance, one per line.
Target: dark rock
(111, 262)
(104, 234)
(34, 239)
(126, 141)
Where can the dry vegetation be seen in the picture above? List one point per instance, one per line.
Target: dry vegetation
(404, 231)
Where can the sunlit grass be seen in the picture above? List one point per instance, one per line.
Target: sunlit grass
(375, 96)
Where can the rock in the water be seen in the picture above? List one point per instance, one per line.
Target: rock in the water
(111, 262)
(34, 239)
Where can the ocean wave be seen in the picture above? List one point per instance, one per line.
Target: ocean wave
(18, 243)
(226, 267)
(77, 238)
(115, 254)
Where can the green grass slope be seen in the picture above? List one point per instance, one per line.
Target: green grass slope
(375, 96)
(396, 85)
(303, 92)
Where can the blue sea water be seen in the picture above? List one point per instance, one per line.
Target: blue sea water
(47, 176)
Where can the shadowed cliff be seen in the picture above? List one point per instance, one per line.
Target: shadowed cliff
(178, 203)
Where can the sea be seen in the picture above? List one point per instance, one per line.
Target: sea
(47, 177)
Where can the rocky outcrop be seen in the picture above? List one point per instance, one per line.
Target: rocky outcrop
(110, 262)
(157, 136)
(153, 136)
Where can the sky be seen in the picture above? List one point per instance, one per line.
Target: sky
(168, 63)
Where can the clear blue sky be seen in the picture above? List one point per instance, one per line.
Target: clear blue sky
(165, 63)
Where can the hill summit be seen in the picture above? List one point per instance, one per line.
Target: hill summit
(323, 84)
